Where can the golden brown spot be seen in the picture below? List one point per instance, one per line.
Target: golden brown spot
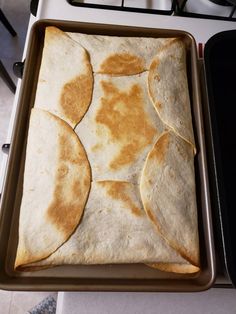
(62, 214)
(97, 147)
(160, 148)
(87, 181)
(76, 97)
(125, 156)
(159, 105)
(52, 33)
(122, 64)
(157, 77)
(153, 75)
(155, 63)
(118, 190)
(153, 67)
(62, 171)
(153, 218)
(52, 30)
(122, 112)
(70, 194)
(176, 268)
(65, 151)
(150, 214)
(76, 188)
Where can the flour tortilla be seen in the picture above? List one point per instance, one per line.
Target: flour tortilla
(65, 80)
(123, 132)
(119, 55)
(168, 194)
(114, 229)
(168, 89)
(120, 127)
(56, 185)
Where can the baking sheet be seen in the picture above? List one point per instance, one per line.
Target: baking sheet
(133, 277)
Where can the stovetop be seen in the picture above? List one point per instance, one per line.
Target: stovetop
(216, 9)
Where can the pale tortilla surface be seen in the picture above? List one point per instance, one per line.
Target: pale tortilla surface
(56, 185)
(168, 194)
(65, 81)
(168, 89)
(114, 229)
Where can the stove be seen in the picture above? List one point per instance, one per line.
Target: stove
(201, 18)
(210, 9)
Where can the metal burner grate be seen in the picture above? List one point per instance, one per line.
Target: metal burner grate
(165, 7)
(207, 9)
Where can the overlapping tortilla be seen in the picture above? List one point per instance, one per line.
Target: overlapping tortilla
(168, 194)
(122, 55)
(137, 135)
(120, 127)
(168, 89)
(114, 229)
(56, 185)
(65, 80)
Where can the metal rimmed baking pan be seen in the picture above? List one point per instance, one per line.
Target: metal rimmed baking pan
(130, 277)
(220, 69)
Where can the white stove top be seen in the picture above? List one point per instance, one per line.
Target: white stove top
(201, 29)
(155, 5)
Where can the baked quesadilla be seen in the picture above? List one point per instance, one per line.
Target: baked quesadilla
(109, 169)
